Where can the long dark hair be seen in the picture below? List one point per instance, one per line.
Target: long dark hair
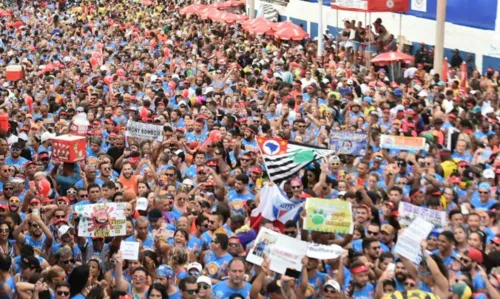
(160, 288)
(78, 279)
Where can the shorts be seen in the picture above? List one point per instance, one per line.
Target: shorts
(352, 44)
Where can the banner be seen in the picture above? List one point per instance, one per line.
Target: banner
(143, 131)
(284, 252)
(101, 220)
(402, 143)
(348, 142)
(327, 215)
(371, 5)
(408, 213)
(408, 244)
(419, 5)
(324, 252)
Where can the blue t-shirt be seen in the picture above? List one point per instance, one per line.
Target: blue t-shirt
(366, 293)
(482, 206)
(237, 201)
(315, 283)
(147, 244)
(223, 291)
(215, 265)
(38, 244)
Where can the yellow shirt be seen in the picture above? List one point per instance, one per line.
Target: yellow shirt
(415, 294)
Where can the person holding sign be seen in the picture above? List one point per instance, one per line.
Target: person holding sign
(431, 271)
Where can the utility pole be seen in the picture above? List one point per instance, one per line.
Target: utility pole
(320, 29)
(440, 23)
(251, 7)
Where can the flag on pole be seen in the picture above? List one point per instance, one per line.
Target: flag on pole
(283, 159)
(275, 206)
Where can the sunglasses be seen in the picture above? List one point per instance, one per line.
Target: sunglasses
(84, 195)
(244, 160)
(204, 286)
(71, 192)
(60, 216)
(139, 278)
(289, 233)
(4, 230)
(480, 192)
(71, 261)
(62, 293)
(410, 284)
(329, 291)
(335, 164)
(8, 188)
(192, 292)
(234, 244)
(44, 160)
(296, 187)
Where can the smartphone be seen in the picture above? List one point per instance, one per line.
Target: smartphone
(35, 212)
(391, 267)
(464, 210)
(292, 273)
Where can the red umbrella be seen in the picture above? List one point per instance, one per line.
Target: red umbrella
(445, 71)
(218, 5)
(292, 33)
(191, 9)
(207, 11)
(234, 3)
(256, 22)
(392, 57)
(261, 29)
(281, 25)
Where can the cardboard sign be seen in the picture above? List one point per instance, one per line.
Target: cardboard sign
(130, 250)
(143, 131)
(408, 244)
(284, 252)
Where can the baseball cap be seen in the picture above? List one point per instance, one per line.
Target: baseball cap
(195, 266)
(332, 283)
(496, 240)
(30, 262)
(488, 174)
(35, 200)
(475, 255)
(204, 279)
(256, 169)
(462, 290)
(142, 204)
(484, 186)
(64, 229)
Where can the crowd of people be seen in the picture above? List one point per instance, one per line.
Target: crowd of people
(188, 201)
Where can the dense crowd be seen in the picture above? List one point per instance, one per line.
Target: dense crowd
(189, 196)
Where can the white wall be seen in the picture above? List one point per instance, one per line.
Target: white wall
(414, 29)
